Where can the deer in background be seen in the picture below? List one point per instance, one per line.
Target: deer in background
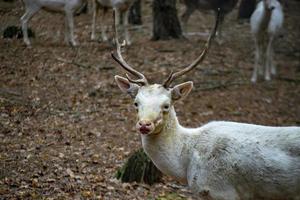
(220, 160)
(121, 8)
(68, 7)
(225, 6)
(266, 23)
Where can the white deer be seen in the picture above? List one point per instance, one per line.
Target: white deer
(68, 7)
(220, 160)
(266, 22)
(225, 7)
(122, 9)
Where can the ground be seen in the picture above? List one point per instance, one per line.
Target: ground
(65, 128)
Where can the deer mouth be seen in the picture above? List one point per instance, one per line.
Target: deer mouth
(144, 130)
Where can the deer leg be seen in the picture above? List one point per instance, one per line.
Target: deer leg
(261, 62)
(219, 34)
(203, 182)
(262, 51)
(95, 12)
(272, 64)
(125, 23)
(103, 27)
(185, 17)
(58, 33)
(24, 20)
(268, 64)
(66, 30)
(70, 25)
(256, 61)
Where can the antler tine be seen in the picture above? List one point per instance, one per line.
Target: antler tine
(199, 59)
(119, 59)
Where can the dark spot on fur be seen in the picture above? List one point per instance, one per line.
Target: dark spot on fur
(219, 148)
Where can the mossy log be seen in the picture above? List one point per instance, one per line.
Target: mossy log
(139, 168)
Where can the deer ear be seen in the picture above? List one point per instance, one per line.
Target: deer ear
(126, 86)
(181, 91)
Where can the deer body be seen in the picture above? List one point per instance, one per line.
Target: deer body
(266, 23)
(225, 6)
(122, 9)
(230, 160)
(68, 7)
(220, 160)
(225, 160)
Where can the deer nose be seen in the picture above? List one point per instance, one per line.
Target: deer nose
(144, 126)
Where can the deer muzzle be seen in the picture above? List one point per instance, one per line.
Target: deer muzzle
(145, 127)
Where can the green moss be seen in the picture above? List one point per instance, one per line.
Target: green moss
(139, 168)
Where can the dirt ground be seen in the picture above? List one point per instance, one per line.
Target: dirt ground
(65, 128)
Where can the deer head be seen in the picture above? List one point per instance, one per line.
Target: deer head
(154, 102)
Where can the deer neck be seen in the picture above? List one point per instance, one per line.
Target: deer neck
(167, 148)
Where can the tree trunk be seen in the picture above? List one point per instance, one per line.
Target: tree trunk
(135, 16)
(139, 168)
(165, 21)
(246, 9)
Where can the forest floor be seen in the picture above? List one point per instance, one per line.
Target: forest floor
(65, 127)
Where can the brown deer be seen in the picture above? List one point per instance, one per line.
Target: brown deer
(225, 6)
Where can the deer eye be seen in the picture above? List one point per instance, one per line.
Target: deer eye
(166, 107)
(136, 105)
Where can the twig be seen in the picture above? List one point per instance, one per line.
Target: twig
(43, 107)
(218, 72)
(106, 68)
(13, 97)
(221, 85)
(15, 101)
(204, 34)
(176, 187)
(72, 62)
(9, 92)
(73, 113)
(297, 81)
(82, 65)
(166, 50)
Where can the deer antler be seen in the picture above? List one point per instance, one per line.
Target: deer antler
(200, 58)
(142, 79)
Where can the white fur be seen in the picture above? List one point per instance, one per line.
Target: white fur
(224, 160)
(265, 26)
(68, 7)
(120, 6)
(230, 160)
